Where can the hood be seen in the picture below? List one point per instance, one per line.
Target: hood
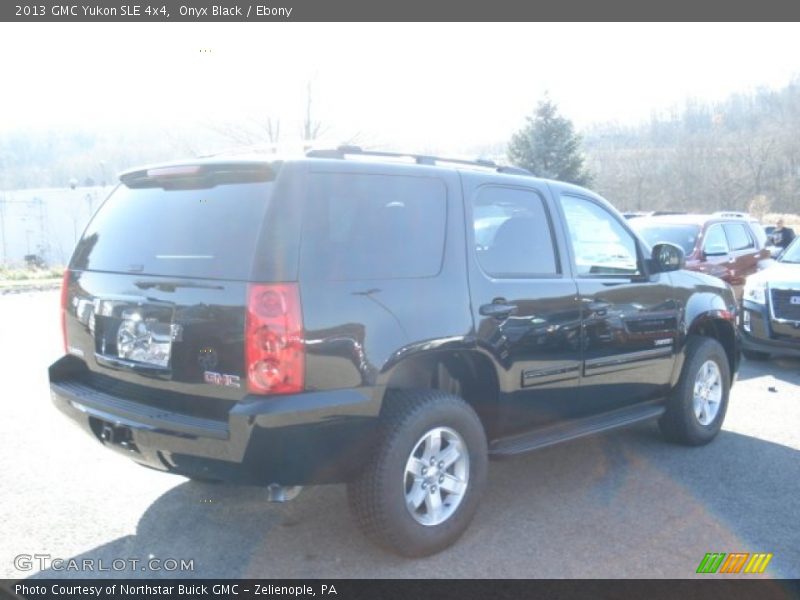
(783, 273)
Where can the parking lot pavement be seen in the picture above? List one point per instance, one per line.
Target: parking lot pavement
(623, 504)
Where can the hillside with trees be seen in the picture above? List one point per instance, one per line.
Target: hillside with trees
(740, 154)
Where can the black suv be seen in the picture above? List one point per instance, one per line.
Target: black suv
(383, 320)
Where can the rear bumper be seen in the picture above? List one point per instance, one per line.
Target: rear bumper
(301, 439)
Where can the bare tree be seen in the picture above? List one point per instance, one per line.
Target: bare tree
(312, 128)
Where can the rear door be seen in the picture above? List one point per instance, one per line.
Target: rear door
(524, 302)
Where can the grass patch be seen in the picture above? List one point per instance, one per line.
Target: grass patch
(22, 283)
(30, 274)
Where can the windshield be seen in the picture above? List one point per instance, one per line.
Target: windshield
(792, 253)
(182, 232)
(684, 236)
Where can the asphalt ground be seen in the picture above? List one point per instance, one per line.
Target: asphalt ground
(624, 504)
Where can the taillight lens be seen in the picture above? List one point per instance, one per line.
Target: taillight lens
(64, 286)
(274, 342)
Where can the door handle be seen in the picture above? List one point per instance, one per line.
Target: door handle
(498, 310)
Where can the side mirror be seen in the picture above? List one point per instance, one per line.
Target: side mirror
(668, 257)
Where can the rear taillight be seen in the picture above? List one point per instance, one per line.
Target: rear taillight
(274, 345)
(64, 286)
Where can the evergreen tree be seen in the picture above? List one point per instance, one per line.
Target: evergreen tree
(549, 147)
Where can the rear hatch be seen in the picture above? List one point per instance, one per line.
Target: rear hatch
(156, 293)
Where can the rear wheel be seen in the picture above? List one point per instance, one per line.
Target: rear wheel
(421, 488)
(755, 355)
(697, 407)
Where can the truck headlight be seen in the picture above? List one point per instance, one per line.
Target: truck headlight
(756, 291)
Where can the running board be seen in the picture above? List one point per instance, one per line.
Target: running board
(573, 429)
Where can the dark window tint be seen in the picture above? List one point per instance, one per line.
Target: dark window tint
(374, 226)
(601, 245)
(738, 237)
(512, 233)
(210, 232)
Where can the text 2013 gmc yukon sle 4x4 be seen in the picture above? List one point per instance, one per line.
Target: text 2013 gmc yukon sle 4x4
(390, 324)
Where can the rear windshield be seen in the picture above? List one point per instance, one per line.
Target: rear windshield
(684, 236)
(362, 226)
(206, 233)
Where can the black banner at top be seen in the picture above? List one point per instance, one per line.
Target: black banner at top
(393, 10)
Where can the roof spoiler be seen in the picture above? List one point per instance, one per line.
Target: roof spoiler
(198, 175)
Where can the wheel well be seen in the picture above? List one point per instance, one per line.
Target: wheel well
(722, 331)
(467, 374)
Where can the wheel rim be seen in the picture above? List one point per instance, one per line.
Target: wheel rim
(707, 393)
(436, 476)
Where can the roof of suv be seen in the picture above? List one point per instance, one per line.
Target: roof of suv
(264, 165)
(257, 159)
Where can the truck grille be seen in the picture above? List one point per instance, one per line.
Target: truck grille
(782, 306)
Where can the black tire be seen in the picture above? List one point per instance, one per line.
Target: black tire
(755, 354)
(680, 424)
(378, 496)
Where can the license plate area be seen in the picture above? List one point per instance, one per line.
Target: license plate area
(138, 334)
(144, 338)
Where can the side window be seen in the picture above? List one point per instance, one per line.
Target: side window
(715, 242)
(362, 226)
(738, 237)
(759, 233)
(512, 233)
(601, 245)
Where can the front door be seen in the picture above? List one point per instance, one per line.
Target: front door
(629, 318)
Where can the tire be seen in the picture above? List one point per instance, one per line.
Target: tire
(399, 472)
(755, 355)
(697, 406)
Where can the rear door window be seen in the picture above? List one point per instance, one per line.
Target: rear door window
(512, 233)
(738, 237)
(367, 226)
(759, 233)
(204, 232)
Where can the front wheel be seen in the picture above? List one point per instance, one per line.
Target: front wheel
(697, 406)
(421, 488)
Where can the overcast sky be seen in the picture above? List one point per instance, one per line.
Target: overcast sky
(436, 84)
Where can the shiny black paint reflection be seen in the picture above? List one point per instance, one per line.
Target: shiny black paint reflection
(209, 315)
(570, 348)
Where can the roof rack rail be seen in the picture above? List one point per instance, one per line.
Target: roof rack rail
(420, 159)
